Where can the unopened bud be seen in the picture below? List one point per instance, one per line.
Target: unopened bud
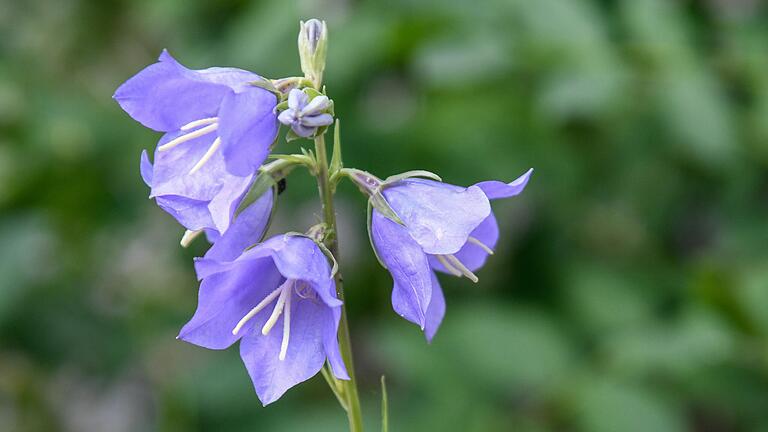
(313, 42)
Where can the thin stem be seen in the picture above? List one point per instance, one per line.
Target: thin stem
(354, 413)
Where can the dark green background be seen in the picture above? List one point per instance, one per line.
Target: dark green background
(630, 287)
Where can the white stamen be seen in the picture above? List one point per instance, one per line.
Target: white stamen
(451, 269)
(277, 310)
(267, 300)
(207, 156)
(189, 236)
(192, 135)
(201, 122)
(461, 267)
(286, 326)
(480, 244)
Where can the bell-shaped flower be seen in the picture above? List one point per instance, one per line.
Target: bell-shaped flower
(443, 228)
(279, 299)
(220, 110)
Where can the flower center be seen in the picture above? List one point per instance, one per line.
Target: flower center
(283, 294)
(209, 125)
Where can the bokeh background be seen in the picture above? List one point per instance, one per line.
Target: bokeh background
(630, 287)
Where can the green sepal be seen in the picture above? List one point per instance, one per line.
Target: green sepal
(312, 92)
(302, 159)
(291, 136)
(260, 186)
(268, 86)
(282, 106)
(336, 163)
(369, 219)
(329, 255)
(411, 174)
(381, 205)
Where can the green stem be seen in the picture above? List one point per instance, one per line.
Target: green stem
(354, 413)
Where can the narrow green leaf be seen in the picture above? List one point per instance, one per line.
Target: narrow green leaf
(384, 406)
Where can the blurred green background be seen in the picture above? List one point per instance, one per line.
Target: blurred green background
(630, 287)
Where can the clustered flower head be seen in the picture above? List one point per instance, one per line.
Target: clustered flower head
(279, 296)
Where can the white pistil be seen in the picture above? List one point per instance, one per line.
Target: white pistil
(286, 325)
(451, 269)
(201, 122)
(480, 244)
(267, 300)
(192, 135)
(286, 291)
(461, 268)
(189, 236)
(208, 154)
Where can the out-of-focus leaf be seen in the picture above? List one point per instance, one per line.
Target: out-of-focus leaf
(698, 340)
(507, 347)
(605, 406)
(26, 257)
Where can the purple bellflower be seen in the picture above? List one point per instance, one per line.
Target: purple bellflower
(220, 110)
(304, 116)
(445, 228)
(279, 299)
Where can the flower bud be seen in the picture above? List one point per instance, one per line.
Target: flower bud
(313, 41)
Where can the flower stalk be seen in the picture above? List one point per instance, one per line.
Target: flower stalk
(349, 387)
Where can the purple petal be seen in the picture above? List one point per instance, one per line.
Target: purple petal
(247, 230)
(408, 265)
(297, 100)
(236, 79)
(190, 213)
(212, 184)
(225, 202)
(146, 168)
(316, 105)
(302, 131)
(472, 255)
(317, 120)
(225, 298)
(247, 127)
(437, 215)
(496, 189)
(305, 356)
(331, 344)
(436, 310)
(212, 235)
(287, 117)
(165, 96)
(300, 258)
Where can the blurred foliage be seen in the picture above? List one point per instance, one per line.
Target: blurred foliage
(630, 289)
